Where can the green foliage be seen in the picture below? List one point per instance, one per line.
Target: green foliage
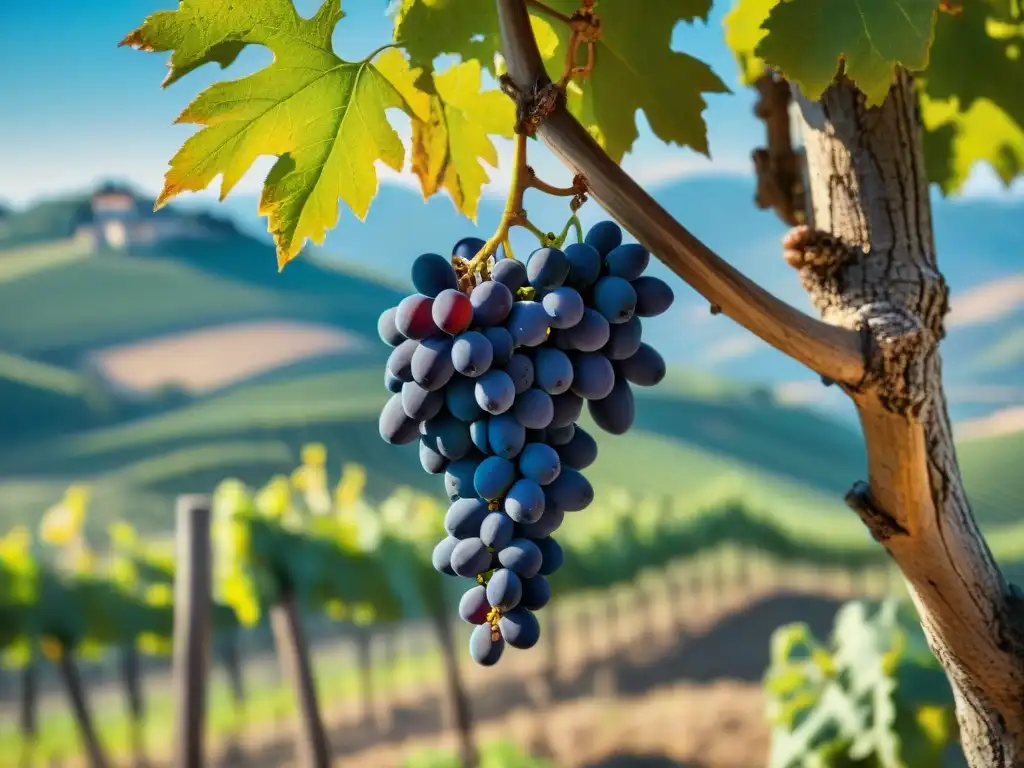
(874, 698)
(968, 67)
(500, 754)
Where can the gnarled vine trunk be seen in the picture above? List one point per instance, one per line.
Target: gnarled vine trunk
(869, 262)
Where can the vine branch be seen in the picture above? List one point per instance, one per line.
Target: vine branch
(779, 167)
(827, 349)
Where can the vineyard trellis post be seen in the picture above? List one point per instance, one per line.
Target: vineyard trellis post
(193, 614)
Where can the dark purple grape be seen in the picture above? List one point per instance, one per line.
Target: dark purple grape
(441, 557)
(495, 392)
(432, 273)
(568, 407)
(399, 362)
(392, 383)
(497, 530)
(653, 296)
(492, 301)
(534, 409)
(506, 436)
(472, 354)
(395, 426)
(627, 261)
(584, 265)
(570, 491)
(615, 413)
(535, 593)
(468, 247)
(521, 556)
(520, 369)
(502, 345)
(524, 502)
(623, 340)
(581, 451)
(520, 628)
(447, 435)
(561, 435)
(460, 399)
(528, 324)
(615, 299)
(473, 607)
(458, 478)
(464, 517)
(552, 555)
(593, 375)
(547, 268)
(564, 307)
(504, 589)
(431, 365)
(604, 236)
(486, 643)
(645, 368)
(553, 370)
(493, 477)
(511, 274)
(591, 333)
(386, 328)
(433, 463)
(540, 463)
(470, 558)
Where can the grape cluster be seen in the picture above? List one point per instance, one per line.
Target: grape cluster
(491, 383)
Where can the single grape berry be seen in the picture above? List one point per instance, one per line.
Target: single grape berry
(547, 268)
(452, 311)
(432, 273)
(604, 237)
(413, 317)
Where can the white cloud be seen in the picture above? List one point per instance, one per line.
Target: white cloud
(733, 348)
(984, 184)
(1005, 421)
(987, 302)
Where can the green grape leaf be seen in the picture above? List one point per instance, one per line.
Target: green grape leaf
(972, 102)
(744, 31)
(450, 128)
(323, 117)
(807, 40)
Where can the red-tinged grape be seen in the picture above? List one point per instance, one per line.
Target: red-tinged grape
(473, 607)
(547, 268)
(452, 311)
(505, 435)
(520, 628)
(604, 236)
(521, 556)
(470, 558)
(581, 451)
(386, 328)
(472, 354)
(399, 362)
(615, 299)
(432, 273)
(504, 589)
(534, 409)
(492, 301)
(511, 274)
(584, 265)
(627, 261)
(414, 318)
(431, 365)
(645, 368)
(593, 376)
(615, 413)
(464, 517)
(495, 392)
(624, 339)
(395, 427)
(493, 477)
(564, 307)
(486, 644)
(653, 296)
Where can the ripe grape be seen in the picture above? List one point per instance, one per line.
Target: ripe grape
(591, 333)
(447, 435)
(492, 301)
(584, 265)
(473, 607)
(495, 392)
(561, 435)
(552, 555)
(504, 589)
(497, 530)
(547, 268)
(392, 383)
(624, 339)
(564, 307)
(627, 261)
(460, 399)
(528, 323)
(431, 364)
(653, 296)
(511, 274)
(521, 556)
(645, 368)
(549, 522)
(552, 370)
(470, 557)
(506, 436)
(604, 236)
(433, 463)
(581, 451)
(520, 628)
(520, 369)
(534, 409)
(441, 557)
(464, 517)
(458, 478)
(472, 354)
(615, 413)
(568, 407)
(570, 490)
(386, 328)
(486, 644)
(478, 434)
(468, 247)
(452, 311)
(399, 362)
(432, 273)
(501, 344)
(419, 403)
(493, 477)
(414, 318)
(395, 426)
(539, 462)
(524, 502)
(615, 299)
(593, 376)
(534, 593)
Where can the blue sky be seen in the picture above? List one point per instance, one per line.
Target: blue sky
(81, 109)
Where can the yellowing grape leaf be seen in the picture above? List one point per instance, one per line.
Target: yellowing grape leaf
(450, 127)
(743, 33)
(972, 98)
(324, 118)
(806, 39)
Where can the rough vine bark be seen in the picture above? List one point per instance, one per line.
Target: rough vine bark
(868, 260)
(870, 263)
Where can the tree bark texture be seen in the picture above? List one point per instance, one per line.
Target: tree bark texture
(868, 261)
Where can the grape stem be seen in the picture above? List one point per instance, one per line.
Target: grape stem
(514, 215)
